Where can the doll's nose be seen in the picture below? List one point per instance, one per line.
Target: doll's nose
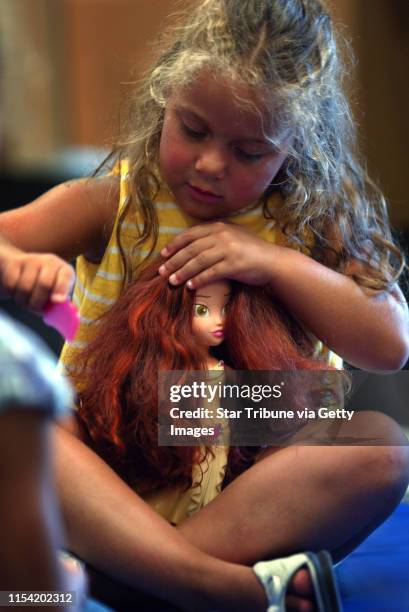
(219, 320)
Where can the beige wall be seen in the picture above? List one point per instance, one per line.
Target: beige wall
(65, 62)
(383, 73)
(104, 41)
(28, 80)
(379, 32)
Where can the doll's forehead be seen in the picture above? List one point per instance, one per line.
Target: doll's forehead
(219, 290)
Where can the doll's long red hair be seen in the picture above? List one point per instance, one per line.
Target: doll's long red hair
(148, 330)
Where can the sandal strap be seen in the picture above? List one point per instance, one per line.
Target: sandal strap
(275, 576)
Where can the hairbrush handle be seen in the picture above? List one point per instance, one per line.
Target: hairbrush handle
(64, 317)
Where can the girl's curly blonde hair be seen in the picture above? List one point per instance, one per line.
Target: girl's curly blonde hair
(287, 51)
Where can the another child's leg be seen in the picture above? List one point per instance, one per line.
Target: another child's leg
(29, 518)
(114, 530)
(306, 498)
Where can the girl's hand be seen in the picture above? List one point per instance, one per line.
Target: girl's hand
(212, 251)
(33, 279)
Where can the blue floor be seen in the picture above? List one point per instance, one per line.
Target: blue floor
(94, 606)
(375, 577)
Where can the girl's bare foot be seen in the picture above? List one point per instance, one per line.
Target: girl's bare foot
(300, 596)
(300, 593)
(242, 590)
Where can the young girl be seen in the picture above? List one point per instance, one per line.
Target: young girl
(241, 123)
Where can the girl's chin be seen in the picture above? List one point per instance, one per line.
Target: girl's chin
(204, 211)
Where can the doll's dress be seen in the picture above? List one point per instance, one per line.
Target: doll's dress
(98, 287)
(207, 477)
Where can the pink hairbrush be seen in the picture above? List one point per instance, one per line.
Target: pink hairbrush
(64, 317)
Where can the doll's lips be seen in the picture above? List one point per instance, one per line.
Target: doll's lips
(219, 333)
(202, 195)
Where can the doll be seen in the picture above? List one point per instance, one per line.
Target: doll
(155, 326)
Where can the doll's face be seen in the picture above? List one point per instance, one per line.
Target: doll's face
(209, 313)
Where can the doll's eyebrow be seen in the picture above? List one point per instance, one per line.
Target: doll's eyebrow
(208, 296)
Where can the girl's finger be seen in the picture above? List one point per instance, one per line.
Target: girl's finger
(42, 289)
(183, 256)
(63, 285)
(25, 285)
(203, 261)
(189, 236)
(210, 275)
(10, 277)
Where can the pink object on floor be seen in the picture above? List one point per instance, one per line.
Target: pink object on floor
(64, 317)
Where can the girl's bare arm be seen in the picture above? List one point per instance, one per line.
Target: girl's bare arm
(38, 239)
(70, 219)
(368, 329)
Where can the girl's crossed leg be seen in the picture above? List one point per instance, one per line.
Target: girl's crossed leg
(299, 498)
(110, 527)
(294, 498)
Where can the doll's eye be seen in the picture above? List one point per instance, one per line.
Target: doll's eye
(201, 310)
(224, 310)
